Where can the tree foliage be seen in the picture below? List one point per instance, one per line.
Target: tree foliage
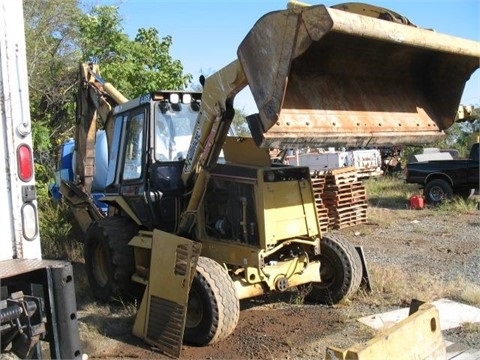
(134, 66)
(52, 52)
(60, 35)
(240, 125)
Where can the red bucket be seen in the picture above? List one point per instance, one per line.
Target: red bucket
(417, 202)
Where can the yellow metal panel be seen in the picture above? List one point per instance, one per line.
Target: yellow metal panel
(143, 240)
(161, 318)
(228, 252)
(120, 200)
(244, 151)
(310, 208)
(287, 214)
(417, 337)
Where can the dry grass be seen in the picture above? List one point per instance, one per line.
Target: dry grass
(110, 320)
(471, 327)
(393, 286)
(471, 294)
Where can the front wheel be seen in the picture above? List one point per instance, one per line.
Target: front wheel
(213, 306)
(437, 190)
(340, 271)
(109, 260)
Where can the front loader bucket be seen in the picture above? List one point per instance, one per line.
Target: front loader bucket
(328, 77)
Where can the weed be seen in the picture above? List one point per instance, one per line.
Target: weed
(393, 193)
(128, 308)
(388, 192)
(419, 230)
(394, 287)
(471, 327)
(471, 294)
(298, 297)
(458, 205)
(55, 228)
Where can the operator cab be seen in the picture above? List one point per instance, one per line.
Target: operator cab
(151, 139)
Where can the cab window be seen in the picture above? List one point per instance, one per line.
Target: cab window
(132, 168)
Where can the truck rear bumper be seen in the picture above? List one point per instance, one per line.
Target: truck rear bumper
(52, 282)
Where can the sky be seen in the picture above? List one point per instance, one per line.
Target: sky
(206, 33)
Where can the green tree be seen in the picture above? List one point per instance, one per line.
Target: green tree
(52, 52)
(239, 124)
(51, 35)
(60, 35)
(134, 67)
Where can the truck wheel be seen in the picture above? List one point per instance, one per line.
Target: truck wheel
(213, 305)
(109, 260)
(437, 190)
(340, 271)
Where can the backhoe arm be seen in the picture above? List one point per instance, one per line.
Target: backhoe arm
(96, 99)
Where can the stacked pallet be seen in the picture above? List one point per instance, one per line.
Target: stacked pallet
(345, 198)
(318, 184)
(340, 197)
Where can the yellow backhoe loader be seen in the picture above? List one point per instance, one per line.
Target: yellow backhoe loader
(198, 219)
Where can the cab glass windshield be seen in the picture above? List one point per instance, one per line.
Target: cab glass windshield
(174, 126)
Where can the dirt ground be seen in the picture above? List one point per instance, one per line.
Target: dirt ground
(424, 254)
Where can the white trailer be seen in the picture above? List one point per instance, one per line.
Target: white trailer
(37, 298)
(368, 162)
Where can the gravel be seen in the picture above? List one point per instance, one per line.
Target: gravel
(444, 245)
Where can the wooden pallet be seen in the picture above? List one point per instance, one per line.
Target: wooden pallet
(345, 202)
(349, 219)
(323, 219)
(339, 210)
(318, 184)
(344, 187)
(344, 216)
(351, 216)
(345, 194)
(318, 178)
(341, 199)
(343, 225)
(343, 170)
(342, 176)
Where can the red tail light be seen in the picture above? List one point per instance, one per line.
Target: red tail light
(25, 162)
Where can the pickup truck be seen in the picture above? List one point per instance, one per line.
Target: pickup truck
(441, 179)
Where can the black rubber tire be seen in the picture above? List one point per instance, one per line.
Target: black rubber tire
(437, 190)
(213, 305)
(340, 271)
(109, 260)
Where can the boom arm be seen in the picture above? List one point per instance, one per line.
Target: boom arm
(95, 98)
(211, 129)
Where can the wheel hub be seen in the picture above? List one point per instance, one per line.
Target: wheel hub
(194, 310)
(100, 271)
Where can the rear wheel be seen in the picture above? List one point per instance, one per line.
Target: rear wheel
(437, 190)
(213, 305)
(340, 271)
(109, 260)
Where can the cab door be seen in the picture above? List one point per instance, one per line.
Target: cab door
(133, 165)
